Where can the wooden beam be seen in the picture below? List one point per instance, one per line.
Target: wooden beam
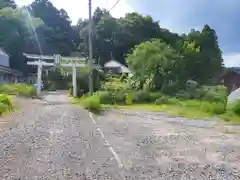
(46, 57)
(43, 63)
(35, 56)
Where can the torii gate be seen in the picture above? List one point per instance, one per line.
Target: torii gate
(75, 62)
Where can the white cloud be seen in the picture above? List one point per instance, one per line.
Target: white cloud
(79, 8)
(232, 60)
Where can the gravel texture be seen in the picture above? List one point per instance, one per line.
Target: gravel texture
(50, 139)
(54, 142)
(156, 146)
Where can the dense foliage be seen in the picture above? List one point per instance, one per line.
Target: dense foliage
(18, 89)
(42, 28)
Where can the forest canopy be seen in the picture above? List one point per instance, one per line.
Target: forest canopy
(128, 37)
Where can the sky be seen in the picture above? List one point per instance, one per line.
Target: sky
(177, 15)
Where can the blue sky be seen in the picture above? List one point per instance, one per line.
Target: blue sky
(177, 15)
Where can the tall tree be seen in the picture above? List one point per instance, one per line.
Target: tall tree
(15, 33)
(155, 62)
(211, 51)
(7, 3)
(60, 38)
(206, 63)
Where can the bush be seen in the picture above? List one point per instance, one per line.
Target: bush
(214, 93)
(183, 95)
(212, 96)
(3, 108)
(92, 103)
(236, 107)
(119, 97)
(171, 89)
(5, 104)
(161, 100)
(141, 97)
(105, 97)
(145, 96)
(219, 108)
(18, 89)
(213, 107)
(4, 99)
(173, 101)
(154, 96)
(128, 99)
(114, 84)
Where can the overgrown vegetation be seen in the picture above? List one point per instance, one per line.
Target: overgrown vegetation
(18, 89)
(91, 103)
(5, 104)
(198, 101)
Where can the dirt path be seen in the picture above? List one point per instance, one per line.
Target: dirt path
(51, 139)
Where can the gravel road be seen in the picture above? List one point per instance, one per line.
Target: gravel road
(52, 139)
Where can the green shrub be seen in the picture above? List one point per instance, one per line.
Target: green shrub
(114, 84)
(5, 104)
(161, 100)
(3, 108)
(141, 97)
(4, 99)
(212, 96)
(183, 95)
(18, 89)
(173, 101)
(213, 107)
(219, 108)
(171, 89)
(92, 103)
(123, 77)
(214, 93)
(236, 107)
(119, 97)
(128, 99)
(105, 97)
(154, 96)
(145, 96)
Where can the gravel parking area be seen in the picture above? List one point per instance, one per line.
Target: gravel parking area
(50, 139)
(156, 146)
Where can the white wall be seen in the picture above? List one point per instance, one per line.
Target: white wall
(4, 59)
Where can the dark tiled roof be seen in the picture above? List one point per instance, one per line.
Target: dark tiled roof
(10, 70)
(235, 69)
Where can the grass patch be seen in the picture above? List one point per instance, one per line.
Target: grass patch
(191, 109)
(18, 90)
(91, 103)
(168, 108)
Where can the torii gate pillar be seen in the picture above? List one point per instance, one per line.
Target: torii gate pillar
(39, 79)
(74, 79)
